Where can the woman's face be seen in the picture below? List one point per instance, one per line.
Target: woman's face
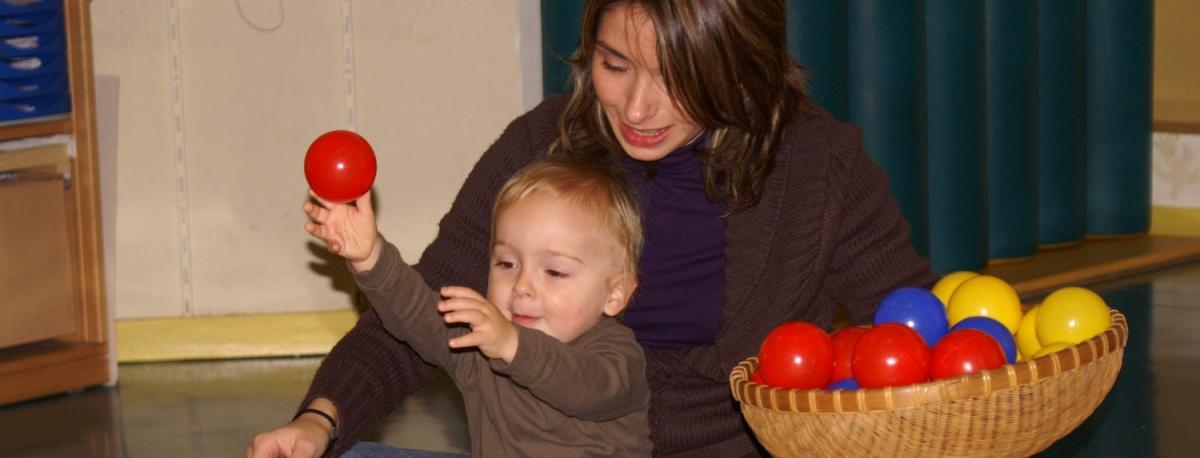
(630, 88)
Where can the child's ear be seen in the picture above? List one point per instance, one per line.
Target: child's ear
(620, 289)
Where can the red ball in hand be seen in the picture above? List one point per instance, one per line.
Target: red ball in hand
(965, 351)
(340, 166)
(844, 341)
(796, 355)
(890, 354)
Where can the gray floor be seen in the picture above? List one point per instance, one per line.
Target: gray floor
(211, 409)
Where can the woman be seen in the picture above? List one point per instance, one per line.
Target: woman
(758, 209)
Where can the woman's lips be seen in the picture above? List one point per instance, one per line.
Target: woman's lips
(643, 138)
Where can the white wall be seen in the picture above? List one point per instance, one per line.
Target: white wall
(218, 101)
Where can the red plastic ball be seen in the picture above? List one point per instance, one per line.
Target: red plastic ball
(890, 354)
(965, 351)
(758, 378)
(843, 350)
(340, 166)
(796, 355)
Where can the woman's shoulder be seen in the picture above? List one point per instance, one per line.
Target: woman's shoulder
(542, 120)
(816, 138)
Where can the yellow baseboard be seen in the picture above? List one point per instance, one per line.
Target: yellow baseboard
(1178, 221)
(225, 337)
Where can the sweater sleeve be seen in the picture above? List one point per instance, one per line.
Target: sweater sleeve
(873, 254)
(406, 305)
(600, 376)
(369, 371)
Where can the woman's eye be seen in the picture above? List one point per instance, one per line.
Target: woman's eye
(611, 67)
(505, 264)
(555, 273)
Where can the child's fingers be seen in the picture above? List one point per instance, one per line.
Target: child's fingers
(465, 315)
(323, 202)
(471, 339)
(462, 292)
(363, 204)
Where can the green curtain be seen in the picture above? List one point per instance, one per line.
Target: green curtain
(883, 63)
(560, 36)
(1060, 121)
(816, 34)
(1011, 36)
(955, 122)
(1117, 84)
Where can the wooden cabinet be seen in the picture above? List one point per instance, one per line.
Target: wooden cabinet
(53, 313)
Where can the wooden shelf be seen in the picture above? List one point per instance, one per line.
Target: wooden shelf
(36, 157)
(35, 129)
(80, 355)
(1095, 260)
(49, 367)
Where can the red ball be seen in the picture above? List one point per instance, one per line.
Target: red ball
(796, 355)
(965, 351)
(757, 378)
(340, 166)
(890, 354)
(843, 350)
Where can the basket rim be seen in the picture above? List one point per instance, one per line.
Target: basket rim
(1110, 343)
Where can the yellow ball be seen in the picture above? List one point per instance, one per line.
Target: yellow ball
(946, 286)
(1027, 341)
(1052, 348)
(1073, 315)
(985, 295)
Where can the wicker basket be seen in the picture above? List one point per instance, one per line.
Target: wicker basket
(1015, 410)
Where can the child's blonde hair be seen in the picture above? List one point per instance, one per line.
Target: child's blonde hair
(589, 185)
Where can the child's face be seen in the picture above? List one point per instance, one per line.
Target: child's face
(554, 267)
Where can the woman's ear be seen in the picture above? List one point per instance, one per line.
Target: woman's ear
(620, 289)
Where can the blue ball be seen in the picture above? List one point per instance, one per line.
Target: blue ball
(916, 308)
(843, 384)
(995, 329)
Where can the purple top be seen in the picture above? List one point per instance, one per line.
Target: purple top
(682, 269)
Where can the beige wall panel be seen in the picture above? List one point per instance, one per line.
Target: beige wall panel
(130, 43)
(253, 101)
(437, 82)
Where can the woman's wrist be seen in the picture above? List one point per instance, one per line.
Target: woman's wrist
(322, 413)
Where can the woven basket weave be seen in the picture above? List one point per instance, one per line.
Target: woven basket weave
(1014, 410)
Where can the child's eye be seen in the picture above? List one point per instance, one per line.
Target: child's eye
(555, 273)
(505, 264)
(610, 67)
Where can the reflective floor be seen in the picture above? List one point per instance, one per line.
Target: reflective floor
(211, 409)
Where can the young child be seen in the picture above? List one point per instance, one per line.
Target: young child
(544, 367)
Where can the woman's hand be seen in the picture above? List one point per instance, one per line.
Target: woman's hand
(305, 437)
(491, 329)
(348, 230)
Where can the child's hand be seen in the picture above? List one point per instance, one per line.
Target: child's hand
(347, 230)
(491, 329)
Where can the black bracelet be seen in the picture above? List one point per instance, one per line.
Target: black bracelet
(333, 430)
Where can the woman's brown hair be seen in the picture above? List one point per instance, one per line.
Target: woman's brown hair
(726, 65)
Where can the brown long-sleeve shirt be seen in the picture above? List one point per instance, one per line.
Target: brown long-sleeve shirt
(826, 233)
(585, 398)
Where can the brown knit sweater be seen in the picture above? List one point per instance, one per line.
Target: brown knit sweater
(825, 234)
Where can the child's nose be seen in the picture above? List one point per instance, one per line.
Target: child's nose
(523, 288)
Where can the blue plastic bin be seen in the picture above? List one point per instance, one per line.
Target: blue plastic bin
(49, 21)
(49, 83)
(29, 45)
(34, 107)
(10, 7)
